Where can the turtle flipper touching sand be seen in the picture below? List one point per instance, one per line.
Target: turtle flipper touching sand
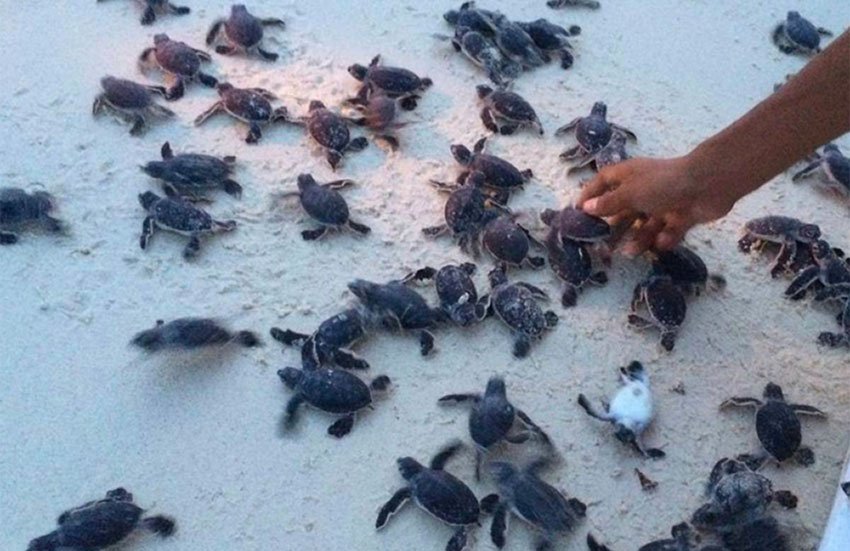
(191, 333)
(130, 101)
(242, 32)
(798, 35)
(326, 206)
(249, 105)
(19, 209)
(180, 62)
(190, 174)
(154, 7)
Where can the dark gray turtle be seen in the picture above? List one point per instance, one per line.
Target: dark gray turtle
(458, 297)
(549, 37)
(505, 112)
(834, 340)
(398, 307)
(737, 495)
(516, 44)
(834, 165)
(759, 535)
(576, 225)
(785, 231)
(466, 213)
(798, 34)
(330, 390)
(394, 82)
(101, 523)
(131, 102)
(540, 505)
(180, 62)
(242, 32)
(330, 131)
(555, 4)
(438, 493)
(326, 206)
(378, 113)
(631, 411)
(778, 427)
(190, 174)
(499, 174)
(19, 208)
(473, 18)
(331, 342)
(249, 105)
(510, 243)
(178, 216)
(154, 7)
(572, 263)
(687, 270)
(516, 305)
(593, 132)
(665, 306)
(612, 153)
(829, 270)
(493, 419)
(191, 333)
(684, 539)
(481, 51)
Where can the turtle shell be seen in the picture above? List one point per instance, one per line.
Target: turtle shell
(98, 524)
(569, 259)
(665, 302)
(546, 35)
(743, 492)
(445, 497)
(403, 303)
(801, 31)
(453, 283)
(126, 94)
(683, 265)
(465, 209)
(577, 225)
(758, 535)
(247, 105)
(243, 29)
(506, 240)
(334, 390)
(838, 166)
(393, 80)
(773, 228)
(17, 206)
(491, 420)
(778, 429)
(177, 58)
(192, 332)
(181, 216)
(340, 330)
(194, 169)
(593, 133)
(328, 129)
(518, 309)
(511, 106)
(498, 173)
(325, 205)
(541, 505)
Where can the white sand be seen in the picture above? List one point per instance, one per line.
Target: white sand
(82, 412)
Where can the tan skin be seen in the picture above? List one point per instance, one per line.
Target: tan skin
(659, 200)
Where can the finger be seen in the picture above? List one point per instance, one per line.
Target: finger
(602, 183)
(644, 237)
(620, 224)
(672, 234)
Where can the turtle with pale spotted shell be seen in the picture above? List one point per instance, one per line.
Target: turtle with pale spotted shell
(516, 305)
(330, 131)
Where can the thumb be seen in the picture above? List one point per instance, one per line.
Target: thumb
(608, 204)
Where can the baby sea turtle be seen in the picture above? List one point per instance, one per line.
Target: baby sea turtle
(190, 174)
(130, 101)
(555, 4)
(834, 165)
(505, 112)
(101, 523)
(493, 419)
(593, 132)
(543, 507)
(785, 231)
(394, 82)
(665, 305)
(154, 7)
(684, 539)
(777, 426)
(516, 305)
(738, 495)
(242, 32)
(758, 535)
(330, 131)
(631, 411)
(687, 270)
(481, 51)
(330, 390)
(191, 333)
(473, 18)
(458, 297)
(326, 206)
(573, 264)
(398, 307)
(833, 340)
(509, 243)
(180, 62)
(378, 113)
(438, 493)
(576, 225)
(499, 174)
(178, 216)
(19, 208)
(516, 44)
(614, 152)
(798, 34)
(331, 342)
(249, 105)
(549, 37)
(830, 270)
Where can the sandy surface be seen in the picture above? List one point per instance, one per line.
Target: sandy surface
(81, 412)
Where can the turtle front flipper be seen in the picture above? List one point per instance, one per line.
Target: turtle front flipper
(805, 457)
(312, 235)
(138, 127)
(785, 499)
(426, 342)
(522, 346)
(288, 337)
(797, 289)
(362, 229)
(148, 227)
(290, 416)
(499, 526)
(217, 107)
(590, 410)
(178, 10)
(392, 506)
(255, 132)
(342, 426)
(349, 360)
(160, 525)
(458, 540)
(533, 427)
(739, 401)
(215, 30)
(192, 247)
(802, 409)
(8, 238)
(149, 15)
(273, 21)
(438, 462)
(176, 90)
(207, 80)
(594, 545)
(459, 398)
(807, 171)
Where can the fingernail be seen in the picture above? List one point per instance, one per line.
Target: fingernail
(631, 250)
(590, 205)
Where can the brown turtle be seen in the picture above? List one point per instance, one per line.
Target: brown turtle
(130, 101)
(249, 105)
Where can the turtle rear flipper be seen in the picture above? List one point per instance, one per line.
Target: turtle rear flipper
(8, 238)
(458, 541)
(342, 426)
(161, 525)
(232, 187)
(805, 457)
(594, 545)
(248, 339)
(785, 499)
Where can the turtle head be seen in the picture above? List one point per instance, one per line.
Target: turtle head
(794, 15)
(808, 233)
(496, 387)
(315, 105)
(238, 9)
(42, 202)
(148, 199)
(290, 376)
(462, 154)
(45, 543)
(636, 372)
(497, 276)
(773, 392)
(362, 289)
(483, 91)
(821, 250)
(358, 71)
(599, 109)
(452, 17)
(223, 87)
(624, 433)
(502, 472)
(160, 38)
(154, 169)
(305, 181)
(831, 148)
(706, 516)
(409, 467)
(683, 533)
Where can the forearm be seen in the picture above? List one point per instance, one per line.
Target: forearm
(810, 110)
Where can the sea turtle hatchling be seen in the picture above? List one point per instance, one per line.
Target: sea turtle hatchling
(687, 270)
(19, 208)
(178, 216)
(555, 4)
(331, 341)
(190, 174)
(180, 62)
(777, 426)
(665, 307)
(798, 34)
(458, 296)
(593, 132)
(516, 305)
(326, 206)
(573, 264)
(473, 18)
(101, 523)
(786, 231)
(550, 37)
(438, 493)
(574, 224)
(631, 411)
(378, 113)
(480, 50)
(394, 82)
(505, 112)
(523, 493)
(330, 390)
(330, 131)
(191, 333)
(499, 175)
(242, 32)
(509, 243)
(612, 153)
(249, 105)
(494, 419)
(154, 7)
(516, 44)
(830, 270)
(759, 535)
(683, 539)
(130, 101)
(834, 165)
